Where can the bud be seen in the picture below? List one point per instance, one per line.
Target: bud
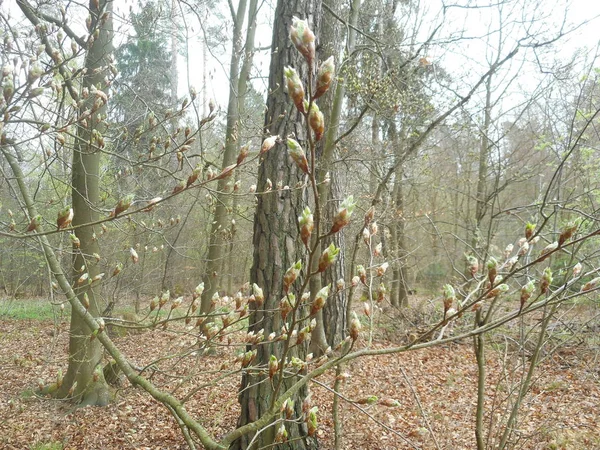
(153, 304)
(328, 257)
(567, 232)
(362, 273)
(316, 120)
(64, 219)
(258, 295)
(273, 366)
(342, 217)
(281, 435)
(577, 270)
(367, 309)
(297, 154)
(268, 144)
(123, 205)
(288, 408)
(366, 236)
(508, 265)
(593, 284)
(382, 268)
(369, 215)
(320, 299)
(374, 228)
(117, 269)
(8, 90)
(134, 256)
(243, 154)
(524, 248)
(449, 297)
(182, 184)
(164, 298)
(547, 250)
(306, 222)
(355, 280)
(97, 277)
(389, 402)
(198, 291)
(355, 327)
(529, 229)
(286, 305)
(370, 400)
(492, 267)
(85, 301)
(526, 292)
(214, 299)
(194, 175)
(303, 38)
(381, 291)
(311, 421)
(473, 265)
(500, 289)
(290, 276)
(340, 284)
(294, 87)
(177, 302)
(324, 77)
(508, 250)
(35, 223)
(83, 278)
(378, 249)
(306, 403)
(248, 357)
(546, 280)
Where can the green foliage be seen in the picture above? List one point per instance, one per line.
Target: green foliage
(31, 309)
(144, 64)
(54, 445)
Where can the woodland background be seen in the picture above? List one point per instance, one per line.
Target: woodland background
(151, 225)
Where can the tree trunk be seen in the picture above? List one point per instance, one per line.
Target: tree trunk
(85, 354)
(398, 288)
(482, 182)
(277, 244)
(331, 321)
(238, 78)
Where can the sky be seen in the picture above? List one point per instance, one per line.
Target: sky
(466, 59)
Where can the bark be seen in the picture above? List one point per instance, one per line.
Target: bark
(174, 74)
(277, 244)
(85, 354)
(331, 320)
(482, 182)
(238, 77)
(398, 288)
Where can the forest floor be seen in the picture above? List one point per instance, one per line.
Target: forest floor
(436, 389)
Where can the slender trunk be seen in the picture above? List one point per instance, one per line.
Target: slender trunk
(484, 152)
(535, 358)
(331, 321)
(85, 354)
(479, 347)
(174, 74)
(399, 289)
(238, 78)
